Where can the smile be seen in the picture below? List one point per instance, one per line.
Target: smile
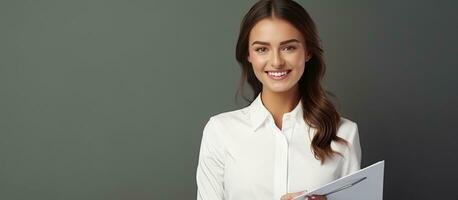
(278, 75)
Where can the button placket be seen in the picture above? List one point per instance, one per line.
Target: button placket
(281, 170)
(287, 127)
(287, 132)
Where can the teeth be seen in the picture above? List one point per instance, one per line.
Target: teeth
(278, 73)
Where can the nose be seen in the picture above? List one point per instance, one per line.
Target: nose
(277, 60)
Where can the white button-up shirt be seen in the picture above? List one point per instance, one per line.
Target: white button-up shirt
(245, 156)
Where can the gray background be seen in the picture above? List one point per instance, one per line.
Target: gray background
(108, 99)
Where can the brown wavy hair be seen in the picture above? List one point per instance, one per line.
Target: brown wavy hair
(319, 112)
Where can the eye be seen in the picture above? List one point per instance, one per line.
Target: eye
(261, 49)
(290, 48)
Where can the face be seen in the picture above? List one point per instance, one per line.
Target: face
(277, 52)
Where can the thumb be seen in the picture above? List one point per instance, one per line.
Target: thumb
(292, 195)
(295, 194)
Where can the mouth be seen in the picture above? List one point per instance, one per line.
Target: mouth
(278, 75)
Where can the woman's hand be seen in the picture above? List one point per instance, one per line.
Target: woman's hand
(316, 197)
(291, 196)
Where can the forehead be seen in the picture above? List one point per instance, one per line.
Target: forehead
(274, 30)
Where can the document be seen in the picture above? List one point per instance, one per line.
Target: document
(364, 184)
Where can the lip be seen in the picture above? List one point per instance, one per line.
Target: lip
(278, 77)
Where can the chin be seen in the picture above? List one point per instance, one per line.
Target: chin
(279, 89)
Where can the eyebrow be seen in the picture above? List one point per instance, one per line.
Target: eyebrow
(281, 43)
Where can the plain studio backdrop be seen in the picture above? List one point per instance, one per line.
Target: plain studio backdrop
(107, 99)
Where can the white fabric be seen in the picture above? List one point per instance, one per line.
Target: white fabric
(245, 156)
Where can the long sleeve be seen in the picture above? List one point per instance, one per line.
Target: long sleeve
(210, 169)
(352, 156)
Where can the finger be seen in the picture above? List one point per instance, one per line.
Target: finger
(295, 194)
(286, 197)
(291, 195)
(317, 197)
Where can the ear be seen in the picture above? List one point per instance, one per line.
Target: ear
(248, 58)
(308, 56)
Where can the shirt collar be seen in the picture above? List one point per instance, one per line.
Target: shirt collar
(259, 113)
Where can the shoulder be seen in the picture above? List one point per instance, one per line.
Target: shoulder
(229, 118)
(225, 124)
(347, 130)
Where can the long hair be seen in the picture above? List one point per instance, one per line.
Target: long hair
(319, 112)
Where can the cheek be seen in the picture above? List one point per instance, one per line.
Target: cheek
(297, 59)
(298, 63)
(258, 63)
(300, 71)
(258, 69)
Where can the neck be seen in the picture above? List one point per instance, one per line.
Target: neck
(279, 103)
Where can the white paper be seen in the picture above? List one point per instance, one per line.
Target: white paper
(364, 184)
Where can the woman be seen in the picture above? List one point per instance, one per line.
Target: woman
(290, 139)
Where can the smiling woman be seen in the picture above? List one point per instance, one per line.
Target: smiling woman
(272, 58)
(290, 138)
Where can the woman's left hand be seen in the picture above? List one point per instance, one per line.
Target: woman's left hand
(291, 196)
(316, 197)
